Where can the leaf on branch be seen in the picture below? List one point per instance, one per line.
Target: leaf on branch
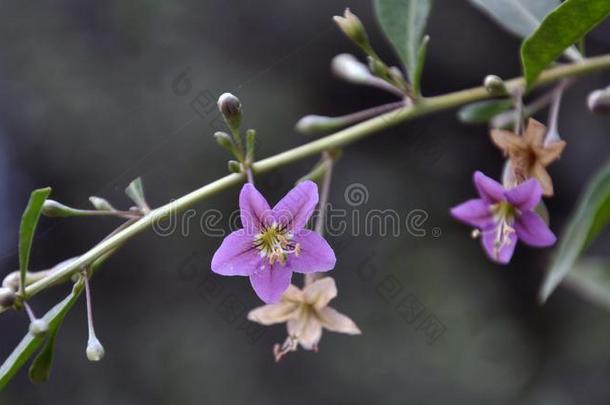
(562, 28)
(29, 221)
(591, 216)
(519, 17)
(483, 111)
(30, 343)
(403, 23)
(135, 191)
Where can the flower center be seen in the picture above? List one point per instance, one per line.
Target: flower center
(504, 215)
(275, 243)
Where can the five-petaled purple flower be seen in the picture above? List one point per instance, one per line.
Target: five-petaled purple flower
(504, 215)
(273, 242)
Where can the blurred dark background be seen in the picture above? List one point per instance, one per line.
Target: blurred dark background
(87, 104)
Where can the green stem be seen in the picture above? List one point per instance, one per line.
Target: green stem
(342, 138)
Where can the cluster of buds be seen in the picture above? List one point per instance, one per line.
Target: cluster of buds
(231, 110)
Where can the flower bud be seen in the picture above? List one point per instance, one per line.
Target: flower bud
(250, 142)
(12, 281)
(230, 107)
(234, 166)
(313, 124)
(351, 26)
(495, 85)
(101, 204)
(599, 101)
(39, 327)
(95, 351)
(7, 297)
(52, 208)
(224, 140)
(347, 67)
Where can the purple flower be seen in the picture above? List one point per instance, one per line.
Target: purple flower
(502, 216)
(273, 242)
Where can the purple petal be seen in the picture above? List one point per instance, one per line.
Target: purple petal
(489, 189)
(475, 212)
(270, 282)
(532, 230)
(254, 209)
(297, 206)
(236, 256)
(505, 252)
(316, 254)
(526, 195)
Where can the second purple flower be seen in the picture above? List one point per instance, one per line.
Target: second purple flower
(273, 242)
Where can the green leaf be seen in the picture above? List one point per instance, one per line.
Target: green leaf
(519, 17)
(562, 28)
(590, 277)
(29, 220)
(591, 216)
(482, 112)
(403, 23)
(135, 191)
(30, 343)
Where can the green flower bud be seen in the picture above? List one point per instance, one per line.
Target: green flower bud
(599, 101)
(347, 67)
(353, 28)
(495, 85)
(95, 351)
(52, 208)
(39, 327)
(313, 124)
(230, 107)
(234, 166)
(224, 140)
(250, 141)
(7, 297)
(101, 204)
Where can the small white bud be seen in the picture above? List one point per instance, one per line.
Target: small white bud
(599, 101)
(95, 350)
(7, 297)
(39, 327)
(347, 67)
(12, 281)
(495, 85)
(230, 107)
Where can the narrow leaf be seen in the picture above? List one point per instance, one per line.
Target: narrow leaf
(519, 17)
(483, 111)
(591, 216)
(403, 23)
(562, 28)
(29, 220)
(30, 343)
(135, 191)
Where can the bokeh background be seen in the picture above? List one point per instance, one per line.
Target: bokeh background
(88, 102)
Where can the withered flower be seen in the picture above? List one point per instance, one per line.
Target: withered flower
(305, 312)
(528, 154)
